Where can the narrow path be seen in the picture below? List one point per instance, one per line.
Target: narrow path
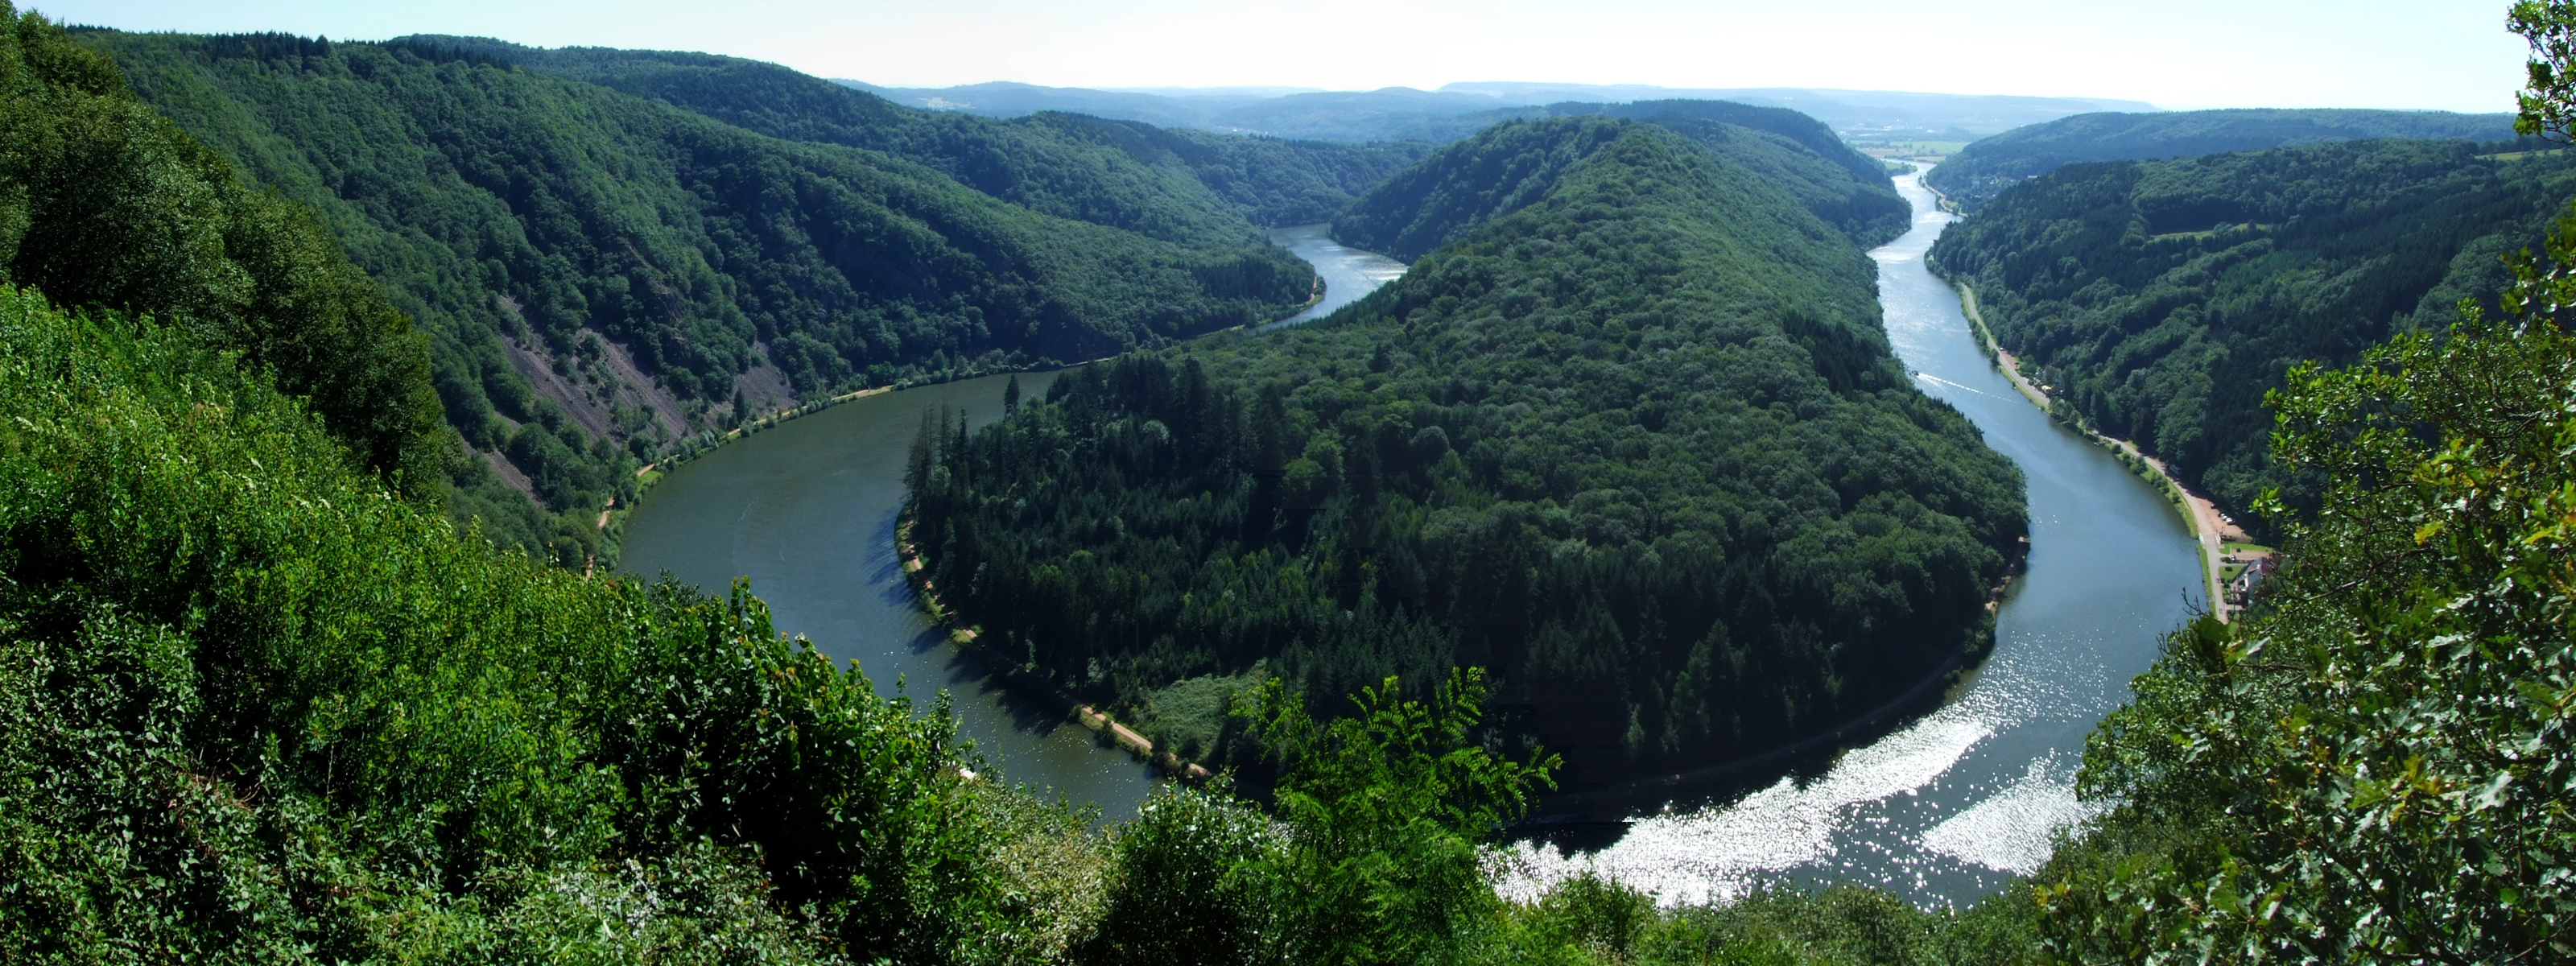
(2207, 526)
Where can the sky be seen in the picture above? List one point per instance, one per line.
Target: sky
(2178, 54)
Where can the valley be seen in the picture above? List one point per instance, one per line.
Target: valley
(465, 500)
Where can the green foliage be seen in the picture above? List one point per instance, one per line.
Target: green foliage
(1846, 188)
(1189, 885)
(598, 273)
(104, 203)
(1985, 169)
(1190, 186)
(2546, 108)
(1589, 920)
(1515, 163)
(254, 708)
(2162, 299)
(1638, 447)
(1385, 808)
(2375, 767)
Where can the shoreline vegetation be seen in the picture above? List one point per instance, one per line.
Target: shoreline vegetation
(708, 441)
(261, 700)
(1516, 459)
(964, 637)
(2208, 528)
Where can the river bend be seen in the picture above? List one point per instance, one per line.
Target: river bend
(1942, 810)
(1946, 809)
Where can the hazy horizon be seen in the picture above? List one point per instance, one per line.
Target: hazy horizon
(2182, 55)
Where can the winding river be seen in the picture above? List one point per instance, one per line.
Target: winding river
(1947, 808)
(1943, 809)
(806, 510)
(1348, 273)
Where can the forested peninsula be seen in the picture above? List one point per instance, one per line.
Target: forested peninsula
(1631, 438)
(605, 274)
(262, 701)
(2162, 300)
(1986, 167)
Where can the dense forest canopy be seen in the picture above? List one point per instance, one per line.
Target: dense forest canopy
(2162, 300)
(1426, 207)
(1633, 440)
(1177, 184)
(600, 275)
(2373, 767)
(1984, 169)
(105, 203)
(257, 705)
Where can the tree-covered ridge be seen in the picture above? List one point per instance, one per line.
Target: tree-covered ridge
(255, 708)
(601, 275)
(1423, 208)
(2163, 299)
(1191, 186)
(2375, 767)
(1638, 446)
(1984, 169)
(104, 203)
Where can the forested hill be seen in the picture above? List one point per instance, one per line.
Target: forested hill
(1985, 168)
(2163, 299)
(1634, 441)
(1173, 184)
(1425, 207)
(602, 275)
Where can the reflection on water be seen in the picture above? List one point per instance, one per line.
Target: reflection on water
(1348, 273)
(807, 511)
(1946, 809)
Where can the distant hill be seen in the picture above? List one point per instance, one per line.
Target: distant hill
(1177, 185)
(1422, 209)
(1397, 113)
(1987, 167)
(1847, 111)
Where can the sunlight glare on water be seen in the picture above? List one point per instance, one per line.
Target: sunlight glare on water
(1946, 809)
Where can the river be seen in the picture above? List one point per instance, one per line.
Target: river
(1946, 809)
(806, 510)
(1943, 809)
(1349, 273)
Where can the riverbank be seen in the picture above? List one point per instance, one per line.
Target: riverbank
(1018, 675)
(2208, 527)
(612, 517)
(1578, 808)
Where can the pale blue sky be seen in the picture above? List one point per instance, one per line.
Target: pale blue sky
(2446, 54)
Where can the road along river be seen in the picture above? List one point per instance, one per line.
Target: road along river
(1943, 809)
(806, 509)
(1947, 808)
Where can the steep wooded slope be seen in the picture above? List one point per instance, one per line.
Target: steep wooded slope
(1984, 169)
(601, 275)
(2163, 299)
(1180, 185)
(1426, 207)
(105, 204)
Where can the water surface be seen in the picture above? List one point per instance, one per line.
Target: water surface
(807, 511)
(1946, 809)
(1349, 273)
